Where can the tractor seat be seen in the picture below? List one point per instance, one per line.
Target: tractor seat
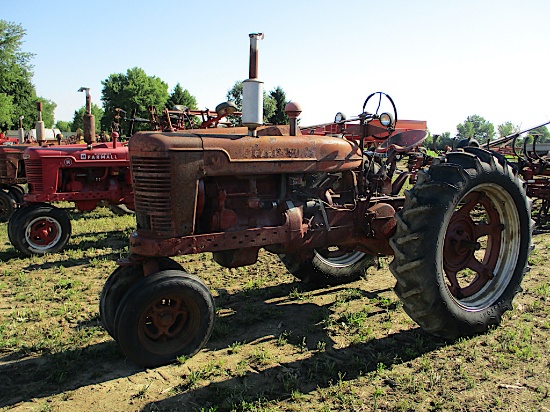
(403, 142)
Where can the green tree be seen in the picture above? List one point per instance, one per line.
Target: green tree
(235, 94)
(180, 96)
(64, 126)
(78, 118)
(506, 129)
(476, 127)
(6, 110)
(18, 96)
(279, 97)
(542, 133)
(134, 90)
(441, 141)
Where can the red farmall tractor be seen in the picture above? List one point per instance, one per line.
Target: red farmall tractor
(327, 203)
(85, 174)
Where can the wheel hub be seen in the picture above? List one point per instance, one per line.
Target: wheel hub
(43, 232)
(460, 243)
(165, 318)
(475, 219)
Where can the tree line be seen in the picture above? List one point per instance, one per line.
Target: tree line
(477, 128)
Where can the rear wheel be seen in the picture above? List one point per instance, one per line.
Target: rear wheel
(40, 229)
(330, 266)
(7, 205)
(462, 243)
(163, 316)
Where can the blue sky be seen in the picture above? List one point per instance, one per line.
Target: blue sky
(439, 60)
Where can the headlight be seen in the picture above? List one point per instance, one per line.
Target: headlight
(340, 117)
(386, 119)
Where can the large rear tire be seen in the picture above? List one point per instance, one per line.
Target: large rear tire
(330, 266)
(462, 243)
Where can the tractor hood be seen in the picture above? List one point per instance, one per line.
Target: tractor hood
(232, 151)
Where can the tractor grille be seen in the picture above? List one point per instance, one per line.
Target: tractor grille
(152, 185)
(34, 175)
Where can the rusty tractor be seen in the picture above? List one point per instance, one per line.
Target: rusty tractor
(327, 203)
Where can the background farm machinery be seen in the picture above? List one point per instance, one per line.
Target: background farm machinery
(533, 163)
(87, 174)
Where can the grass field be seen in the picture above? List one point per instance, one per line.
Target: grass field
(278, 345)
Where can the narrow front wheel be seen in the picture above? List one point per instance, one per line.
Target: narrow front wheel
(163, 316)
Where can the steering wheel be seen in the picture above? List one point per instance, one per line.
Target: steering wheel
(376, 114)
(380, 95)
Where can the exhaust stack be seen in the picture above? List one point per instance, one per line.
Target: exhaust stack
(253, 93)
(39, 126)
(21, 131)
(89, 119)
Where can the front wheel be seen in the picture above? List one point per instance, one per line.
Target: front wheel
(40, 229)
(116, 286)
(462, 243)
(330, 266)
(163, 316)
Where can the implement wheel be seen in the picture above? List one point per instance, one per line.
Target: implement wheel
(462, 242)
(163, 316)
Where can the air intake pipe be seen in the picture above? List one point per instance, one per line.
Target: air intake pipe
(253, 102)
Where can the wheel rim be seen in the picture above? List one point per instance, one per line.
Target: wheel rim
(169, 323)
(43, 233)
(481, 246)
(334, 256)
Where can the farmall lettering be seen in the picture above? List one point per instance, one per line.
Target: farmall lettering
(98, 156)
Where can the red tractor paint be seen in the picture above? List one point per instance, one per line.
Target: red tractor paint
(79, 174)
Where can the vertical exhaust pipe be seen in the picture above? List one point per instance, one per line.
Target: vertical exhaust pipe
(89, 119)
(253, 93)
(39, 126)
(21, 131)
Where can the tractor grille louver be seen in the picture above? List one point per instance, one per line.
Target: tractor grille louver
(34, 175)
(152, 187)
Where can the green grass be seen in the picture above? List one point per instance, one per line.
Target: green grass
(277, 345)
